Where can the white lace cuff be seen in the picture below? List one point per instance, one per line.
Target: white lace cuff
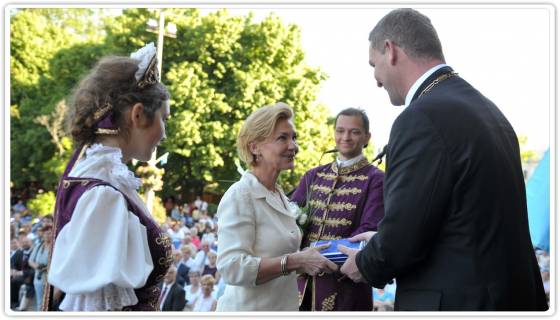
(110, 297)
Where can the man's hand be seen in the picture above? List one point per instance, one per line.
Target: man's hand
(349, 267)
(365, 236)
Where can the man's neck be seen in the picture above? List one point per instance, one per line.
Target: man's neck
(412, 70)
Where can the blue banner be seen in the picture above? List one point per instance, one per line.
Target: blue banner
(538, 204)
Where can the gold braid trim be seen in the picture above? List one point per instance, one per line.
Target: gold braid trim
(163, 239)
(355, 167)
(168, 260)
(313, 236)
(327, 176)
(107, 131)
(337, 192)
(328, 303)
(332, 222)
(330, 237)
(353, 178)
(335, 206)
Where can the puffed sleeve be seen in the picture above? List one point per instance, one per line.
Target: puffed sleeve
(102, 254)
(236, 261)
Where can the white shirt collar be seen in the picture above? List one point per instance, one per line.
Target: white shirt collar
(167, 285)
(342, 164)
(418, 82)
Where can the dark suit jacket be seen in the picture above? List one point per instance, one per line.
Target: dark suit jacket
(455, 233)
(183, 272)
(175, 300)
(16, 263)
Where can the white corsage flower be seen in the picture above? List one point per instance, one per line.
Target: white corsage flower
(295, 209)
(302, 219)
(145, 55)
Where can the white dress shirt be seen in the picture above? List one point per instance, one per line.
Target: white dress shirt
(418, 82)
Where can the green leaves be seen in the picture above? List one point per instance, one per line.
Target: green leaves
(219, 70)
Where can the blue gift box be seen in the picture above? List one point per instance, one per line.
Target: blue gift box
(332, 252)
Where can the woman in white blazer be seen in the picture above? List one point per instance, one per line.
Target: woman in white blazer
(258, 235)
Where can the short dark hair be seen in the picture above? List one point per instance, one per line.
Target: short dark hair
(48, 217)
(410, 30)
(355, 112)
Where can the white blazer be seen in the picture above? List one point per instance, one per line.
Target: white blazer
(254, 225)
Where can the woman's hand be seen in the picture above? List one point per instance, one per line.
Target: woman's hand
(310, 261)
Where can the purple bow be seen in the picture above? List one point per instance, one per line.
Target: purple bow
(103, 124)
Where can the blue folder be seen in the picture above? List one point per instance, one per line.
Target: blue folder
(332, 252)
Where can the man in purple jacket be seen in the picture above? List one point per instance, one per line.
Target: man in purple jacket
(348, 197)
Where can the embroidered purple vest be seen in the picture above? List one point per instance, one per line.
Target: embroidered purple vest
(69, 192)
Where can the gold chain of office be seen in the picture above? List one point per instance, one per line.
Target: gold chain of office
(438, 80)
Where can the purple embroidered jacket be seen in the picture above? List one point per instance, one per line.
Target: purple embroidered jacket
(349, 202)
(69, 192)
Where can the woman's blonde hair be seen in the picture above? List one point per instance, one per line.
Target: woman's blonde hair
(209, 278)
(212, 253)
(258, 127)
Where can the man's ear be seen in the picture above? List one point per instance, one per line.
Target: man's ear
(391, 50)
(368, 136)
(136, 115)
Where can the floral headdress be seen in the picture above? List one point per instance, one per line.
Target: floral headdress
(148, 72)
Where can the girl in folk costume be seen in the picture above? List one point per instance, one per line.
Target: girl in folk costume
(108, 253)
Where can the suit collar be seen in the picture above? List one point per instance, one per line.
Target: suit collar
(429, 80)
(259, 192)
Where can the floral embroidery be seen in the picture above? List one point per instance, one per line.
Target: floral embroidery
(328, 303)
(332, 222)
(335, 206)
(357, 166)
(163, 239)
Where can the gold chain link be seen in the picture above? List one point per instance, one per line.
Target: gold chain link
(438, 80)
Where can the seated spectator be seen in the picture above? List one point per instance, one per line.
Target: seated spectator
(195, 215)
(175, 213)
(183, 267)
(14, 246)
(544, 258)
(165, 228)
(193, 290)
(194, 237)
(14, 230)
(26, 229)
(172, 296)
(19, 207)
(38, 234)
(197, 203)
(39, 260)
(47, 220)
(186, 211)
(205, 301)
(211, 268)
(186, 260)
(183, 226)
(17, 219)
(177, 234)
(208, 235)
(22, 273)
(201, 257)
(380, 297)
(204, 208)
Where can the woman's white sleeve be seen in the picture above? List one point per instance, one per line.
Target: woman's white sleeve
(236, 261)
(101, 255)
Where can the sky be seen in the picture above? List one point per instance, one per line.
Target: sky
(503, 51)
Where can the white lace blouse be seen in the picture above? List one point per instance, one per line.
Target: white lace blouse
(102, 254)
